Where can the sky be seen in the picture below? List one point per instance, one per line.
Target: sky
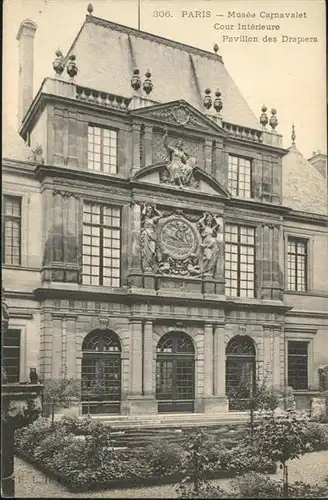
(288, 76)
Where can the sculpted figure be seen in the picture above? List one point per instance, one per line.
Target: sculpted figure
(149, 218)
(181, 166)
(208, 227)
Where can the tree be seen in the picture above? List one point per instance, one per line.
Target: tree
(282, 438)
(93, 388)
(60, 392)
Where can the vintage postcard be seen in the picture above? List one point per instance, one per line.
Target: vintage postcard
(164, 249)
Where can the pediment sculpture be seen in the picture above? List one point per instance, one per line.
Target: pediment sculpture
(176, 246)
(37, 155)
(179, 171)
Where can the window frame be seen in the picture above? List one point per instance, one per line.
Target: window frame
(101, 248)
(238, 244)
(5, 218)
(110, 165)
(250, 161)
(308, 256)
(16, 348)
(307, 357)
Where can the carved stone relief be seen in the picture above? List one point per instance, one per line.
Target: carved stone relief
(179, 170)
(174, 245)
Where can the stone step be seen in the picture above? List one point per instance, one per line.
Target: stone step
(169, 420)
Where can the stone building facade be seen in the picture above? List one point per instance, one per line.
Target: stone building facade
(151, 250)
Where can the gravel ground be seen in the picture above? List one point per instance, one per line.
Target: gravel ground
(30, 483)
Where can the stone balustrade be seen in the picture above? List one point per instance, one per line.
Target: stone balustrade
(243, 132)
(102, 98)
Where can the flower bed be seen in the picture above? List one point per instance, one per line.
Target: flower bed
(92, 463)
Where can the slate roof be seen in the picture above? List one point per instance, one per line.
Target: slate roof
(303, 187)
(106, 54)
(13, 146)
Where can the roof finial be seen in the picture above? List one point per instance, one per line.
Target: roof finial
(216, 48)
(148, 84)
(293, 136)
(207, 100)
(264, 117)
(90, 9)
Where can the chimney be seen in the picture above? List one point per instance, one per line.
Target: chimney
(25, 37)
(319, 161)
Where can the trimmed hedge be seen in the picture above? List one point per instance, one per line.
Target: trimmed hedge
(90, 462)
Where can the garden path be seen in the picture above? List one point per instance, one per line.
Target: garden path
(30, 483)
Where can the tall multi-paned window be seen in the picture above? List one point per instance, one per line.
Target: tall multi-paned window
(11, 354)
(239, 260)
(298, 364)
(102, 150)
(297, 265)
(11, 230)
(101, 245)
(239, 177)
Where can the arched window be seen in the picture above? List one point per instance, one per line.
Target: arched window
(175, 373)
(101, 372)
(240, 371)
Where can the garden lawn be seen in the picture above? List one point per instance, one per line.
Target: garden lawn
(30, 483)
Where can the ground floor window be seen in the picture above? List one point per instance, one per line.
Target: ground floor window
(298, 364)
(240, 371)
(175, 373)
(101, 373)
(11, 354)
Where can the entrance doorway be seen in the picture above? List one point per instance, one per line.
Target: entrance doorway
(175, 373)
(101, 373)
(240, 371)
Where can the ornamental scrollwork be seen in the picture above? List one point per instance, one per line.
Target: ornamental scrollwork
(173, 245)
(179, 171)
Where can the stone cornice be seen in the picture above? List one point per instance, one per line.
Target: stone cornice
(18, 167)
(305, 217)
(307, 314)
(125, 296)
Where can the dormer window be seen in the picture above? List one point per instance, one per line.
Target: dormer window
(239, 177)
(102, 150)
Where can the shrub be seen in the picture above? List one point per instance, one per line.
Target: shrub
(256, 486)
(246, 458)
(318, 436)
(27, 438)
(261, 486)
(78, 426)
(283, 438)
(195, 465)
(52, 444)
(163, 457)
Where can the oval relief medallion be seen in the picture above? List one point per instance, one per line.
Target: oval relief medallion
(178, 239)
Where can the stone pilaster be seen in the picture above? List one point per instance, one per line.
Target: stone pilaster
(266, 262)
(222, 171)
(71, 347)
(135, 273)
(217, 161)
(138, 402)
(148, 142)
(208, 155)
(148, 361)
(136, 127)
(218, 402)
(276, 358)
(208, 360)
(136, 358)
(257, 178)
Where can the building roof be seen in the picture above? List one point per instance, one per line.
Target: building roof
(303, 187)
(106, 54)
(13, 146)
